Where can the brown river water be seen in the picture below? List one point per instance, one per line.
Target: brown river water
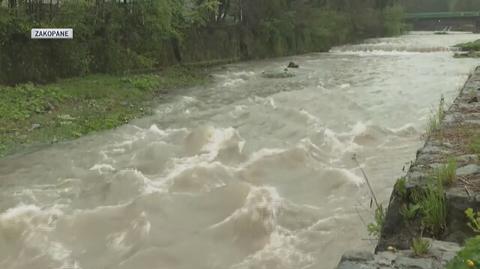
(247, 172)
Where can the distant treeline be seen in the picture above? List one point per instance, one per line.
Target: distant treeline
(114, 36)
(440, 5)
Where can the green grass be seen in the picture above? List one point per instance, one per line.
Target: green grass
(435, 119)
(446, 174)
(469, 46)
(375, 228)
(433, 207)
(401, 187)
(409, 212)
(475, 145)
(468, 257)
(420, 246)
(74, 107)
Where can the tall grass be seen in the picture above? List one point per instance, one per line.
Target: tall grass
(436, 117)
(433, 207)
(447, 174)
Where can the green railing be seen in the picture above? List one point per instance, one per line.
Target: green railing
(443, 15)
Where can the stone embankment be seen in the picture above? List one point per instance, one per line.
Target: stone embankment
(451, 141)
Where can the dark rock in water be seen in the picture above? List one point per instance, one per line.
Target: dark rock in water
(292, 65)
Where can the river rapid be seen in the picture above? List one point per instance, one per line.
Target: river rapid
(246, 172)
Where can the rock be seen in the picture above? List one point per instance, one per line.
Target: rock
(357, 256)
(469, 158)
(440, 254)
(403, 262)
(469, 169)
(293, 65)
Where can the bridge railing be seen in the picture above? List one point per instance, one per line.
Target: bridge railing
(443, 15)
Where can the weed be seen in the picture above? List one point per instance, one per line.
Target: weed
(468, 257)
(435, 119)
(420, 246)
(433, 208)
(409, 211)
(73, 107)
(474, 218)
(401, 187)
(375, 228)
(446, 175)
(475, 145)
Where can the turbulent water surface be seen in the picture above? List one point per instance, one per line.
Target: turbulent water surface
(248, 172)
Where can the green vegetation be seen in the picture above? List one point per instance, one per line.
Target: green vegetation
(447, 173)
(74, 107)
(409, 212)
(433, 208)
(420, 246)
(468, 257)
(475, 145)
(469, 50)
(469, 46)
(117, 36)
(474, 219)
(436, 118)
(375, 228)
(401, 187)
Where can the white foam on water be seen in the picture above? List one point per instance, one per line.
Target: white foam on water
(261, 205)
(102, 168)
(31, 227)
(233, 82)
(281, 252)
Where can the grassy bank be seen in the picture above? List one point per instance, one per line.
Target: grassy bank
(468, 50)
(70, 108)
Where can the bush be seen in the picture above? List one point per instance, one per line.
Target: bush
(468, 257)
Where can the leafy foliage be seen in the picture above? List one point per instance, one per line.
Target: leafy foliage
(74, 107)
(118, 36)
(468, 257)
(474, 219)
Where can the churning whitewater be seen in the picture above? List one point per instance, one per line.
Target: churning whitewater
(245, 173)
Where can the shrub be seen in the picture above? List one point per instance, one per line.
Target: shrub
(474, 218)
(468, 257)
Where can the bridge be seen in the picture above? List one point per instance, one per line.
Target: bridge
(462, 21)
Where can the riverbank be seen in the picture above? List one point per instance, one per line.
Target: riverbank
(433, 198)
(468, 50)
(70, 108)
